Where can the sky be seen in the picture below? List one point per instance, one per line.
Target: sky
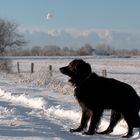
(73, 14)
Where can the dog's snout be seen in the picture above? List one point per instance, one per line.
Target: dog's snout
(66, 71)
(62, 69)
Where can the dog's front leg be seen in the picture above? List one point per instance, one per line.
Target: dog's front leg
(84, 120)
(95, 119)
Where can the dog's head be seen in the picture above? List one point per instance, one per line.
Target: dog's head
(77, 70)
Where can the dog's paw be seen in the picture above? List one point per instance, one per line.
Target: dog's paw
(76, 130)
(105, 132)
(72, 130)
(88, 133)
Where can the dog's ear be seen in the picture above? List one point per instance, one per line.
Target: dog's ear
(84, 69)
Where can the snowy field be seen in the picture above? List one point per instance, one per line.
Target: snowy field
(41, 106)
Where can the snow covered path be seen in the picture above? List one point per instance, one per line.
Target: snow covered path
(37, 114)
(32, 113)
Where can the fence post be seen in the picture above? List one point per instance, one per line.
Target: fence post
(32, 67)
(50, 70)
(104, 73)
(18, 69)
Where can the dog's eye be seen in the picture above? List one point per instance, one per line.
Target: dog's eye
(73, 68)
(70, 67)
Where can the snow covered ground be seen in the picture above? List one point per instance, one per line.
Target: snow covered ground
(42, 107)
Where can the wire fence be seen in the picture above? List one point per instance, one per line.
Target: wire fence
(46, 73)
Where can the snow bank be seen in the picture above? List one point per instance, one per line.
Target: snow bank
(5, 112)
(33, 102)
(39, 103)
(65, 114)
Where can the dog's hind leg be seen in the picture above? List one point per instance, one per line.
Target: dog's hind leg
(133, 121)
(115, 118)
(128, 116)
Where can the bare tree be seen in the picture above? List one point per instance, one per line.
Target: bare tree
(85, 50)
(52, 50)
(9, 36)
(36, 51)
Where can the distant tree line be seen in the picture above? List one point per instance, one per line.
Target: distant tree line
(86, 49)
(50, 50)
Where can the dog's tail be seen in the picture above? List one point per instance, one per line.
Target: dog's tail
(139, 103)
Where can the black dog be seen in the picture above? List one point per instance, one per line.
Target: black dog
(95, 94)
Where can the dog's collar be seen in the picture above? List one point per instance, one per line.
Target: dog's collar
(77, 84)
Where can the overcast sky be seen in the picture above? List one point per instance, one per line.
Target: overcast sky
(118, 14)
(122, 15)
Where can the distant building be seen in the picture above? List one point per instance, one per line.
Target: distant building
(103, 52)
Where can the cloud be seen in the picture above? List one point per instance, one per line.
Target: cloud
(54, 32)
(30, 30)
(105, 35)
(76, 37)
